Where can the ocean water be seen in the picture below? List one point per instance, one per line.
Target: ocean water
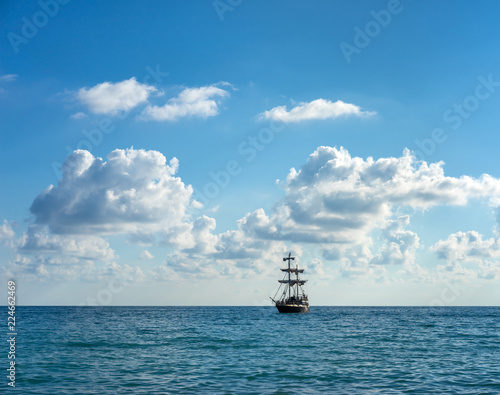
(256, 350)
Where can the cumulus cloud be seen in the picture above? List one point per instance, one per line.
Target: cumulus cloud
(200, 102)
(467, 247)
(6, 232)
(37, 240)
(42, 255)
(235, 253)
(316, 109)
(468, 255)
(334, 196)
(355, 259)
(249, 241)
(339, 201)
(111, 98)
(134, 191)
(489, 270)
(399, 244)
(202, 240)
(41, 267)
(230, 259)
(124, 273)
(347, 206)
(64, 268)
(462, 248)
(316, 266)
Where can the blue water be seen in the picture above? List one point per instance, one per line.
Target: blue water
(255, 350)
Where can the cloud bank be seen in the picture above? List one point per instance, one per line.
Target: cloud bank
(335, 198)
(338, 202)
(356, 211)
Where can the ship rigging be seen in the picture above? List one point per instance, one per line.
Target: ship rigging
(293, 299)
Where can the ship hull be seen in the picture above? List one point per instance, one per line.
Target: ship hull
(286, 308)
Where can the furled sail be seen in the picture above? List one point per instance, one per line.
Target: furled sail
(293, 270)
(293, 299)
(292, 282)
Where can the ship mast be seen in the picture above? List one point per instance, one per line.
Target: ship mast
(298, 303)
(297, 273)
(289, 259)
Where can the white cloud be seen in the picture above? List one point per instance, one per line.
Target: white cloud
(467, 247)
(63, 268)
(399, 244)
(8, 77)
(231, 259)
(111, 98)
(124, 273)
(316, 267)
(134, 192)
(234, 252)
(37, 240)
(338, 201)
(203, 241)
(489, 270)
(200, 102)
(316, 109)
(187, 264)
(42, 255)
(52, 267)
(454, 272)
(6, 232)
(78, 115)
(247, 242)
(335, 197)
(145, 254)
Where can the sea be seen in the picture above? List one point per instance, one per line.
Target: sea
(256, 350)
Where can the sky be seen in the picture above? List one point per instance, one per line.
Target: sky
(172, 153)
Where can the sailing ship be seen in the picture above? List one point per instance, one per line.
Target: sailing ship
(293, 298)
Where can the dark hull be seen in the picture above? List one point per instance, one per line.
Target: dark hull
(292, 308)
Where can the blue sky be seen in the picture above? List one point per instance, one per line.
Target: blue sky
(399, 207)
